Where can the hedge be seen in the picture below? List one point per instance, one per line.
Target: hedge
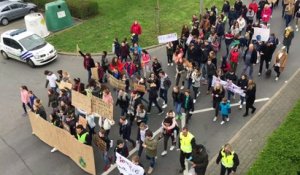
(81, 9)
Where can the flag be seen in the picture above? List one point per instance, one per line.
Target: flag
(26, 55)
(77, 48)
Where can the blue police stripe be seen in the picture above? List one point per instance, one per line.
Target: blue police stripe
(26, 55)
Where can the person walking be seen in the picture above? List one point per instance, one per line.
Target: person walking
(234, 58)
(25, 99)
(51, 79)
(178, 98)
(266, 52)
(169, 130)
(250, 97)
(125, 130)
(280, 61)
(225, 109)
(231, 78)
(82, 135)
(165, 84)
(146, 58)
(210, 72)
(289, 13)
(196, 78)
(229, 160)
(123, 101)
(141, 137)
(186, 144)
(188, 105)
(150, 146)
(169, 49)
(243, 84)
(153, 98)
(199, 160)
(218, 94)
(250, 58)
(88, 63)
(288, 36)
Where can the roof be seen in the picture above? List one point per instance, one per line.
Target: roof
(17, 34)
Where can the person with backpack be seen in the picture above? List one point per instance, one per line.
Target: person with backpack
(165, 84)
(225, 109)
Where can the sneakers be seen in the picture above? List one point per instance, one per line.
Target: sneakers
(182, 87)
(172, 148)
(241, 106)
(168, 64)
(276, 79)
(194, 101)
(160, 112)
(253, 110)
(245, 115)
(222, 122)
(227, 119)
(171, 64)
(150, 170)
(164, 153)
(198, 94)
(215, 119)
(53, 150)
(153, 104)
(164, 106)
(259, 74)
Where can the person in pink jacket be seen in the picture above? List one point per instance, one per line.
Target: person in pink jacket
(25, 99)
(146, 58)
(266, 14)
(106, 97)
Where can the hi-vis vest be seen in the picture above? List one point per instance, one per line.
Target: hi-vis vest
(185, 142)
(227, 160)
(82, 138)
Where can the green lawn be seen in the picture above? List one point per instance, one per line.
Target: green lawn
(281, 155)
(116, 17)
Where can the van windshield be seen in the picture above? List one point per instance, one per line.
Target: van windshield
(32, 42)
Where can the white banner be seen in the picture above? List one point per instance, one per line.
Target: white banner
(264, 33)
(228, 86)
(126, 167)
(167, 38)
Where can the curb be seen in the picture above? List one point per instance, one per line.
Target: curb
(108, 54)
(213, 159)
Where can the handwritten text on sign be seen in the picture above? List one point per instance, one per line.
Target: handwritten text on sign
(167, 38)
(126, 167)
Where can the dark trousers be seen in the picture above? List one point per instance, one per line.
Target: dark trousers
(209, 81)
(261, 63)
(188, 115)
(178, 76)
(170, 57)
(216, 107)
(166, 139)
(182, 157)
(277, 70)
(163, 93)
(196, 90)
(24, 106)
(155, 103)
(249, 104)
(89, 74)
(152, 161)
(224, 169)
(288, 19)
(141, 148)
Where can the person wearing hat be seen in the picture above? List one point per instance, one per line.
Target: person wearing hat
(288, 37)
(199, 159)
(229, 160)
(82, 135)
(280, 61)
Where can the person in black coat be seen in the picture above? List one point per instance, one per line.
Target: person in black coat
(250, 58)
(226, 154)
(156, 66)
(250, 97)
(125, 130)
(199, 159)
(178, 98)
(218, 94)
(188, 105)
(153, 94)
(243, 84)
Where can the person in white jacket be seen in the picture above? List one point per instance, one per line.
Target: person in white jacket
(91, 123)
(105, 124)
(242, 23)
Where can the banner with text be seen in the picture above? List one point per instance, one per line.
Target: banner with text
(228, 86)
(101, 108)
(126, 167)
(167, 38)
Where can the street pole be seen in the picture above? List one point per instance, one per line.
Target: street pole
(201, 6)
(157, 17)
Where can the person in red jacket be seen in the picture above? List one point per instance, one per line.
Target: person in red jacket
(254, 6)
(234, 58)
(136, 28)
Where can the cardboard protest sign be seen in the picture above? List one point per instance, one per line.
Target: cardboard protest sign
(167, 38)
(118, 84)
(95, 73)
(99, 142)
(81, 154)
(139, 88)
(263, 33)
(125, 166)
(82, 121)
(64, 85)
(101, 108)
(81, 101)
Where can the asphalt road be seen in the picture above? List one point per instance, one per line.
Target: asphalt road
(23, 153)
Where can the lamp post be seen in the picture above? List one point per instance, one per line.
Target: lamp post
(157, 17)
(201, 6)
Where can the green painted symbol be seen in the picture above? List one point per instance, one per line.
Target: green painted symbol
(82, 162)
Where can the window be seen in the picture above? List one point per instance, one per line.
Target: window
(14, 6)
(5, 9)
(12, 43)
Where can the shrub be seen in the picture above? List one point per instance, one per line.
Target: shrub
(83, 8)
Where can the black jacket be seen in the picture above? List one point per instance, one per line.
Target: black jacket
(253, 56)
(250, 93)
(236, 160)
(125, 130)
(232, 77)
(123, 102)
(152, 93)
(178, 97)
(243, 84)
(201, 161)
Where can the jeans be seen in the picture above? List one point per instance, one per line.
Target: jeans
(196, 90)
(105, 158)
(209, 81)
(288, 19)
(224, 117)
(177, 106)
(229, 94)
(250, 66)
(163, 93)
(261, 63)
(170, 57)
(242, 99)
(152, 161)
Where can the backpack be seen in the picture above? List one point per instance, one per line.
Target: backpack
(167, 83)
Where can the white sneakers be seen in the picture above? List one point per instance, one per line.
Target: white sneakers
(53, 150)
(259, 74)
(227, 119)
(172, 148)
(164, 106)
(194, 101)
(198, 94)
(241, 106)
(171, 64)
(182, 87)
(222, 122)
(150, 170)
(276, 79)
(164, 153)
(168, 64)
(215, 119)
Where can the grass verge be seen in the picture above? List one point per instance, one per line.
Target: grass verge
(281, 154)
(116, 16)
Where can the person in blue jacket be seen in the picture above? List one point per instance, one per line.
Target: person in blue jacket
(225, 109)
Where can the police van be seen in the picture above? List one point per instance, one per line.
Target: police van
(25, 46)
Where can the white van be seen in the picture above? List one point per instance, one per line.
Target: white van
(27, 47)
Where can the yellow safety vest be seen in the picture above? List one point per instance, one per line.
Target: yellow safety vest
(227, 160)
(82, 138)
(185, 142)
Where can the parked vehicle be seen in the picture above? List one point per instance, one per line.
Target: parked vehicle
(10, 10)
(27, 47)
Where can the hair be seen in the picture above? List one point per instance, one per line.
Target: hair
(228, 146)
(142, 124)
(144, 51)
(224, 99)
(123, 118)
(149, 133)
(187, 91)
(79, 127)
(60, 72)
(24, 87)
(120, 142)
(46, 72)
(135, 158)
(104, 53)
(185, 128)
(251, 84)
(162, 72)
(102, 131)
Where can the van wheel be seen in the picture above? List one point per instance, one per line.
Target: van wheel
(4, 21)
(30, 63)
(4, 55)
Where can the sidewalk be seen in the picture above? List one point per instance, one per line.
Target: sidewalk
(250, 140)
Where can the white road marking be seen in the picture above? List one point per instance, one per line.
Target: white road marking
(159, 129)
